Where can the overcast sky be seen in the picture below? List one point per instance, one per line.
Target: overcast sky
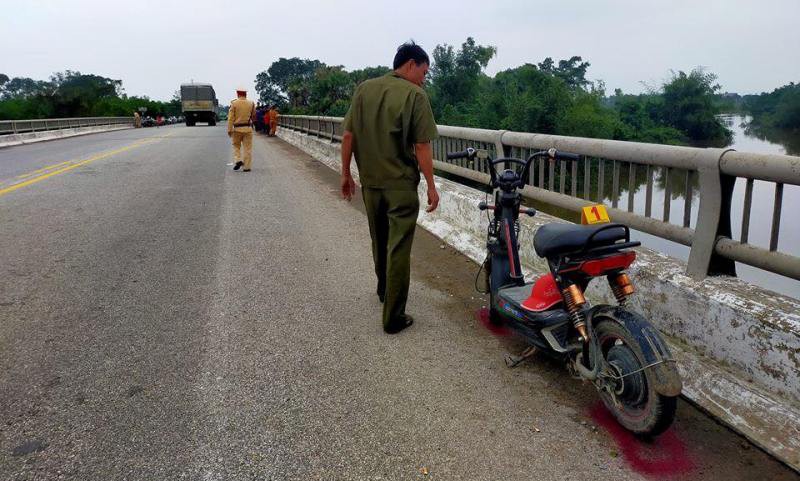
(154, 46)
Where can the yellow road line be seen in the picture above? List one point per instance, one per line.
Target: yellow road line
(75, 165)
(49, 167)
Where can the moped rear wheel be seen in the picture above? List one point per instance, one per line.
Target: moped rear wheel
(631, 398)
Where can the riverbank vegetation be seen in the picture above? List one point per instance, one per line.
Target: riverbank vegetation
(778, 109)
(550, 96)
(73, 94)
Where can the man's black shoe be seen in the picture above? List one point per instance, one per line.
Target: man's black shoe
(399, 324)
(238, 165)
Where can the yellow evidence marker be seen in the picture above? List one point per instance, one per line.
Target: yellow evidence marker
(594, 214)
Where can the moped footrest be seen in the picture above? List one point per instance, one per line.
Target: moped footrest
(513, 361)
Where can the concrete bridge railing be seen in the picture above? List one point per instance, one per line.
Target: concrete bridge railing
(737, 344)
(9, 127)
(709, 174)
(17, 132)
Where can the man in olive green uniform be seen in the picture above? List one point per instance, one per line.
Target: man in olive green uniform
(389, 128)
(240, 119)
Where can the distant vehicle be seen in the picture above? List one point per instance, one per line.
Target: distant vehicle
(148, 122)
(199, 103)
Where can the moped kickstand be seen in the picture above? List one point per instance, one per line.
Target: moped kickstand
(513, 361)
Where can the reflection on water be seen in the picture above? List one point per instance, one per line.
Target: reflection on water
(749, 138)
(773, 141)
(744, 140)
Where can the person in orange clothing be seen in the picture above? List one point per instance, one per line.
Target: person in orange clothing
(273, 120)
(266, 122)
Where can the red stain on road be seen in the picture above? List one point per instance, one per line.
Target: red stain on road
(482, 315)
(664, 457)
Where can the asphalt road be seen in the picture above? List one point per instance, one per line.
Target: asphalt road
(163, 317)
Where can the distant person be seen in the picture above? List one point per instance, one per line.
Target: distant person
(273, 120)
(159, 120)
(267, 124)
(389, 128)
(241, 115)
(137, 120)
(260, 125)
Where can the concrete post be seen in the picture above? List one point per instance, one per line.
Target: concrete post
(708, 217)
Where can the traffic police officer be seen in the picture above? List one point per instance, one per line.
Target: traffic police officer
(240, 120)
(389, 128)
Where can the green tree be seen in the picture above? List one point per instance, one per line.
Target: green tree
(76, 94)
(455, 75)
(286, 80)
(524, 99)
(572, 71)
(689, 106)
(23, 87)
(73, 94)
(777, 109)
(587, 117)
(330, 91)
(358, 76)
(268, 92)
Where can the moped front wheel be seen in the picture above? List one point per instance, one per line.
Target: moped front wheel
(494, 316)
(627, 389)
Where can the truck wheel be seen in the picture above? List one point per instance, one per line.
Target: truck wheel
(212, 123)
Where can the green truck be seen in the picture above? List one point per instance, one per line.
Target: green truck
(199, 103)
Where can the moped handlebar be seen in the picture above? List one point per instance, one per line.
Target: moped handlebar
(552, 153)
(567, 156)
(530, 211)
(464, 154)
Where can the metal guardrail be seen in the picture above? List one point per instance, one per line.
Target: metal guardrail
(10, 127)
(709, 173)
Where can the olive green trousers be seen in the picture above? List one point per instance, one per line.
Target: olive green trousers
(392, 216)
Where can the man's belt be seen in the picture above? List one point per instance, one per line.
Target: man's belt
(242, 125)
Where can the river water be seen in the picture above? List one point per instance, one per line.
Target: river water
(744, 140)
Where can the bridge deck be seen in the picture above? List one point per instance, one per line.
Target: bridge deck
(162, 315)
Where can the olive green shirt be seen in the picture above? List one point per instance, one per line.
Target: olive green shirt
(387, 116)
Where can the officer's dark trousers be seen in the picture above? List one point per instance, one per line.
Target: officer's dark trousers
(392, 218)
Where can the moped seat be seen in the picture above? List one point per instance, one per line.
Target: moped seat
(555, 239)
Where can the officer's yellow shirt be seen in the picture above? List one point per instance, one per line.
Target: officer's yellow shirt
(239, 115)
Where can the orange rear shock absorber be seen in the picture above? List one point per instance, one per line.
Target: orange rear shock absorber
(575, 300)
(621, 286)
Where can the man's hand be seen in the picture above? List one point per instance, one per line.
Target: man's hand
(348, 186)
(230, 133)
(433, 199)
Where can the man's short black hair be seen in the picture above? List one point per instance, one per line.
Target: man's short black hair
(410, 51)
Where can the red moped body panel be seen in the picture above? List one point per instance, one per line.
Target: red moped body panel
(544, 294)
(599, 267)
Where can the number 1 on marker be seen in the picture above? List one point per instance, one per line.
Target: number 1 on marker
(594, 214)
